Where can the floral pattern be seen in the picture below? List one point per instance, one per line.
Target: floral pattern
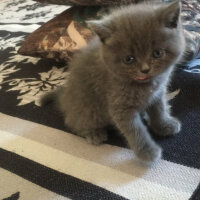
(4, 73)
(15, 69)
(31, 89)
(193, 67)
(27, 12)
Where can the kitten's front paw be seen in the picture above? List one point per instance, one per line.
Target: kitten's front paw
(169, 127)
(97, 137)
(149, 152)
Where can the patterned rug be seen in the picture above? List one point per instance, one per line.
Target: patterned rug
(41, 160)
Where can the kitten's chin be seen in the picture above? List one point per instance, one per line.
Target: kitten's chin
(142, 81)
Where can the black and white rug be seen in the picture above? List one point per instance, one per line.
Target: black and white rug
(40, 160)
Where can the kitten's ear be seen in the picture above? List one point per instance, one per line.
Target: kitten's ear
(170, 15)
(101, 28)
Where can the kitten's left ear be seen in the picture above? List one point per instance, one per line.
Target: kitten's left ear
(101, 28)
(171, 14)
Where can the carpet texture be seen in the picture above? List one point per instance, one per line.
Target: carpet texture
(40, 159)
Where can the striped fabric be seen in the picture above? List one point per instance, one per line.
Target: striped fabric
(52, 164)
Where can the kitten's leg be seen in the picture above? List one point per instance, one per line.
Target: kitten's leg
(132, 127)
(94, 136)
(88, 128)
(161, 121)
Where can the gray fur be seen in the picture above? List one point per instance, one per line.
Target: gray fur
(102, 90)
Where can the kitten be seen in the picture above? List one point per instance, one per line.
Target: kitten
(122, 73)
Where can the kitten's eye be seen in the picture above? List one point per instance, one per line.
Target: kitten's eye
(158, 53)
(128, 60)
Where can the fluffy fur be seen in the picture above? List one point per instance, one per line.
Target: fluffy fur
(108, 88)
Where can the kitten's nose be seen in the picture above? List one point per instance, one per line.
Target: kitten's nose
(145, 68)
(145, 71)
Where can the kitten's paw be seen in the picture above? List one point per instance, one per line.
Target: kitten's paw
(97, 137)
(169, 127)
(149, 153)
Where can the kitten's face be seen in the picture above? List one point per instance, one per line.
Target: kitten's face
(141, 57)
(141, 46)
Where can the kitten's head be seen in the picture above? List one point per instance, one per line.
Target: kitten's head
(140, 42)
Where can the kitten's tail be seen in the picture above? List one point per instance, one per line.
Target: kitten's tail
(50, 97)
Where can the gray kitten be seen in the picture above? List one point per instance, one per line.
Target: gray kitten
(122, 73)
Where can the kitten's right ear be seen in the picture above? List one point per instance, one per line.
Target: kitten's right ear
(101, 28)
(170, 15)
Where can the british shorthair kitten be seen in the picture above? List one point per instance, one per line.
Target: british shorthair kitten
(122, 73)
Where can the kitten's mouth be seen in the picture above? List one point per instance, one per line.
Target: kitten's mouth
(141, 78)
